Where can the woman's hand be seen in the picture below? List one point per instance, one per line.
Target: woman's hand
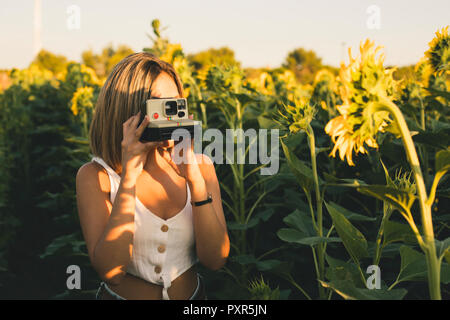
(134, 152)
(188, 167)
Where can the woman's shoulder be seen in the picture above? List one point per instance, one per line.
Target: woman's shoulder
(93, 172)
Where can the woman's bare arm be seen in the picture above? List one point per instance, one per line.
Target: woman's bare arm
(211, 236)
(108, 228)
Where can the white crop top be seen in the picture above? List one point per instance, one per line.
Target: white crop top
(162, 249)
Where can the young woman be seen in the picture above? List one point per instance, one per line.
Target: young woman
(144, 218)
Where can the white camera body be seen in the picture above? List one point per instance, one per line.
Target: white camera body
(167, 115)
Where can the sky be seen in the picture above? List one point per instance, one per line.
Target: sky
(261, 33)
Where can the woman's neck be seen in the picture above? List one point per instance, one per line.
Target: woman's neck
(155, 161)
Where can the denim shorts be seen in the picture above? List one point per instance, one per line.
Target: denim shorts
(199, 292)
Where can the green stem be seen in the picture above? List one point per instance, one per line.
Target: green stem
(204, 118)
(241, 177)
(427, 223)
(295, 284)
(311, 210)
(328, 235)
(320, 246)
(228, 271)
(393, 285)
(386, 215)
(422, 150)
(422, 114)
(270, 252)
(329, 295)
(202, 105)
(316, 266)
(424, 159)
(85, 128)
(361, 273)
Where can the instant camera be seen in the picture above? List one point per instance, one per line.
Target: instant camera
(167, 115)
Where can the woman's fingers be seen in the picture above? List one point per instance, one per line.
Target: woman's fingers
(131, 127)
(142, 126)
(166, 155)
(126, 124)
(152, 144)
(135, 121)
(129, 123)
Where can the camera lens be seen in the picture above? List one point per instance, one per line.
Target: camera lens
(181, 104)
(171, 108)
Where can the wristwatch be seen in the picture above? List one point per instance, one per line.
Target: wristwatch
(200, 203)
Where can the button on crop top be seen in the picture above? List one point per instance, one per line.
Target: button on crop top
(162, 249)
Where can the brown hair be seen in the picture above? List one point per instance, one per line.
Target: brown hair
(123, 95)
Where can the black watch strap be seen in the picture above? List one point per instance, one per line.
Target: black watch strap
(200, 203)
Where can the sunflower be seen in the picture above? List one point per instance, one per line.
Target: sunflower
(363, 86)
(423, 71)
(439, 52)
(297, 117)
(81, 100)
(326, 76)
(344, 139)
(263, 83)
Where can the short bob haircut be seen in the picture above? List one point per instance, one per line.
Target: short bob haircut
(123, 95)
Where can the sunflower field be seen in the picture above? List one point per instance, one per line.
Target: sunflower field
(359, 208)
